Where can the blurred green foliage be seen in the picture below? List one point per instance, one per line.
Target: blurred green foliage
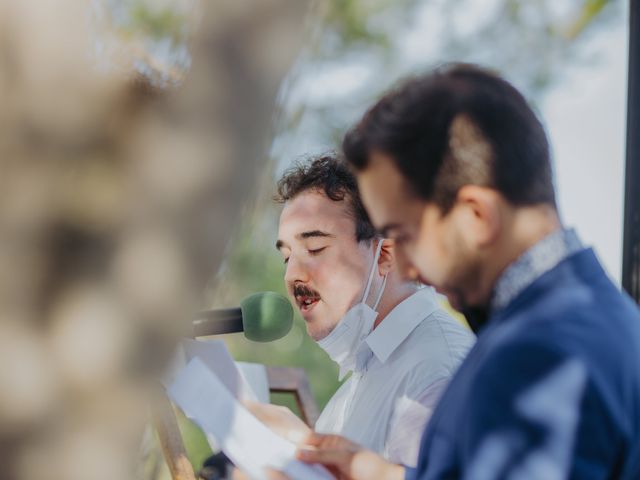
(157, 23)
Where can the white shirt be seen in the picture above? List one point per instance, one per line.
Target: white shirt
(404, 365)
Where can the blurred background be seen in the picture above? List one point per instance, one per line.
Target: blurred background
(141, 141)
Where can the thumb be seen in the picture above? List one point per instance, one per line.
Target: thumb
(338, 458)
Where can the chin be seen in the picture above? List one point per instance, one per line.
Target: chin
(454, 298)
(318, 333)
(316, 337)
(455, 303)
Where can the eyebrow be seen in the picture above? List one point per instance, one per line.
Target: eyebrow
(305, 235)
(314, 233)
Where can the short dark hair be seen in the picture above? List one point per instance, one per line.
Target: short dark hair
(330, 175)
(501, 143)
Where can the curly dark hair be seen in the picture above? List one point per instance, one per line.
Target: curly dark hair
(329, 174)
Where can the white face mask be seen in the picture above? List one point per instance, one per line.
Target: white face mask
(343, 341)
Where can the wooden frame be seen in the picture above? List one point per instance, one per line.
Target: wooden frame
(294, 381)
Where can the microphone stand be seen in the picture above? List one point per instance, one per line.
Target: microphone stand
(217, 322)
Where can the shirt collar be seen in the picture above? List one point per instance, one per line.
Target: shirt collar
(400, 322)
(540, 258)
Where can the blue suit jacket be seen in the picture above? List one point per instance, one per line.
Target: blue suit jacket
(550, 390)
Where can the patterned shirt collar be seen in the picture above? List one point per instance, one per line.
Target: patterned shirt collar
(540, 258)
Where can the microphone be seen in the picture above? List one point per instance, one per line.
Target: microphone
(263, 317)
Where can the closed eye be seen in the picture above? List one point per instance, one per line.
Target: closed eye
(316, 251)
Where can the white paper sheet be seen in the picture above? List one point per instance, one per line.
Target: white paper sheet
(247, 442)
(257, 378)
(216, 357)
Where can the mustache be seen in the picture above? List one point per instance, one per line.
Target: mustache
(304, 291)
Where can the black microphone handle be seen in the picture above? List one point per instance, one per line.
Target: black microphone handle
(218, 321)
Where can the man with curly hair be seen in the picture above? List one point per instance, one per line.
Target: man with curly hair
(390, 333)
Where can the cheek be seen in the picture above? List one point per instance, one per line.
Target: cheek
(433, 255)
(424, 256)
(345, 287)
(404, 261)
(338, 282)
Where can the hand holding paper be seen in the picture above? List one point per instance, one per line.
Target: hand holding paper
(247, 442)
(281, 420)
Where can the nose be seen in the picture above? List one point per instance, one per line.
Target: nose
(296, 271)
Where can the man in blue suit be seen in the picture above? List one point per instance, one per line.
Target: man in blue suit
(455, 167)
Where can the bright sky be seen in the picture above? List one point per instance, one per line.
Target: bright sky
(585, 116)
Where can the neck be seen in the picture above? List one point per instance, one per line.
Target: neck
(523, 228)
(395, 293)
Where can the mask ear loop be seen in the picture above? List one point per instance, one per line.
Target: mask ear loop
(384, 284)
(370, 281)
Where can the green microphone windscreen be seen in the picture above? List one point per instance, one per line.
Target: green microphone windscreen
(266, 316)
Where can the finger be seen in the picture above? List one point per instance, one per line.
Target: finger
(296, 436)
(330, 457)
(331, 442)
(315, 439)
(248, 403)
(336, 442)
(237, 474)
(275, 474)
(254, 407)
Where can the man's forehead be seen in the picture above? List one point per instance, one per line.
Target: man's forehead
(385, 193)
(311, 211)
(381, 171)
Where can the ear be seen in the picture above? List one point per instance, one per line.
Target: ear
(387, 256)
(481, 214)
